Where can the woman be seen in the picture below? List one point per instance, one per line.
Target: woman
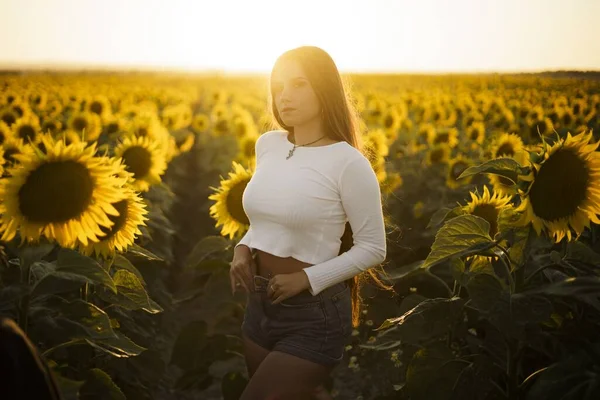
(312, 186)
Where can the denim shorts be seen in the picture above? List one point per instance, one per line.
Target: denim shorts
(315, 328)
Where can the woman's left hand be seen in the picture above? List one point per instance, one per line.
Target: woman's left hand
(284, 286)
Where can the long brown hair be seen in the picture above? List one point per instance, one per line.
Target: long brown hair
(342, 122)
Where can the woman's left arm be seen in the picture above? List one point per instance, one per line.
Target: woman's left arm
(361, 198)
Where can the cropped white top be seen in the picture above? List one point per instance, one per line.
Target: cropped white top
(299, 207)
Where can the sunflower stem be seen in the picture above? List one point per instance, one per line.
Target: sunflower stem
(511, 282)
(24, 301)
(437, 278)
(84, 292)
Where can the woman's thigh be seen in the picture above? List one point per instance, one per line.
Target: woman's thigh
(284, 376)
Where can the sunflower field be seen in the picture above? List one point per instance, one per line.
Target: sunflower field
(121, 202)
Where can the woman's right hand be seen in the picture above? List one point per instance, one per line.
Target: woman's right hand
(242, 269)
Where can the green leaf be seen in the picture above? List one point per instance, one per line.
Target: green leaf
(123, 263)
(74, 263)
(141, 252)
(461, 236)
(487, 294)
(576, 377)
(430, 319)
(119, 346)
(191, 339)
(30, 253)
(131, 294)
(204, 248)
(432, 373)
(85, 319)
(506, 167)
(581, 252)
(69, 388)
(444, 214)
(402, 272)
(100, 386)
(584, 288)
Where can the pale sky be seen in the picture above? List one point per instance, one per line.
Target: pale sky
(247, 35)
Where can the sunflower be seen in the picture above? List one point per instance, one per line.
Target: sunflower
(564, 188)
(457, 166)
(476, 134)
(27, 130)
(447, 136)
(507, 145)
(5, 132)
(425, 134)
(12, 148)
(488, 207)
(391, 182)
(86, 122)
(99, 105)
(437, 154)
(132, 213)
(144, 158)
(51, 126)
(200, 122)
(545, 127)
(68, 136)
(65, 195)
(247, 147)
(228, 209)
(8, 116)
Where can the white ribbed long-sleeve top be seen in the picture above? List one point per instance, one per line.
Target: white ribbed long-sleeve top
(299, 208)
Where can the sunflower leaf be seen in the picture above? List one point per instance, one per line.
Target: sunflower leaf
(71, 263)
(204, 248)
(85, 320)
(123, 263)
(99, 385)
(460, 236)
(141, 252)
(131, 294)
(506, 167)
(427, 320)
(444, 214)
(119, 346)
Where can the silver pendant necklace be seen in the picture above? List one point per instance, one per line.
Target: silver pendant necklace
(291, 153)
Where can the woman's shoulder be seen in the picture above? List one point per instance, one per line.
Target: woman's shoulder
(267, 136)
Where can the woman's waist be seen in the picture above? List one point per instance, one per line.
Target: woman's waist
(267, 263)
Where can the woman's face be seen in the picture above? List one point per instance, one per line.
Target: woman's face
(291, 89)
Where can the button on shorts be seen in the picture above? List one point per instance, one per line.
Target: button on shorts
(315, 328)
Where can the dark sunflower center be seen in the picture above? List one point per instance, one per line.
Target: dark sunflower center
(249, 150)
(506, 149)
(26, 132)
(113, 127)
(458, 169)
(436, 155)
(490, 214)
(80, 123)
(119, 221)
(142, 132)
(442, 138)
(560, 186)
(18, 110)
(138, 161)
(474, 134)
(50, 126)
(2, 137)
(389, 121)
(56, 192)
(96, 107)
(234, 203)
(9, 118)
